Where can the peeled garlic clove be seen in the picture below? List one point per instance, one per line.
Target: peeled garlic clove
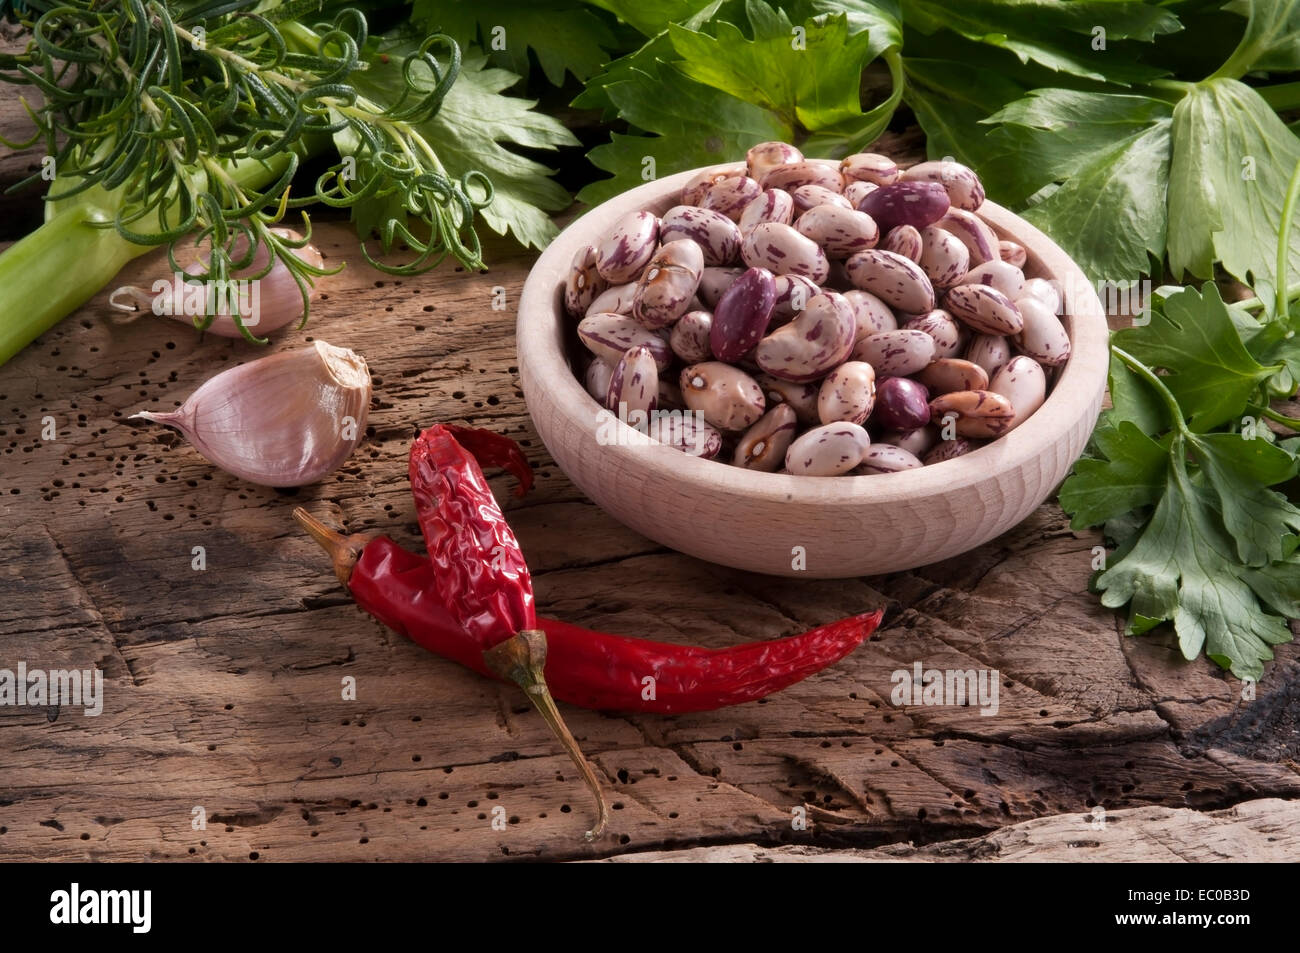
(264, 304)
(286, 420)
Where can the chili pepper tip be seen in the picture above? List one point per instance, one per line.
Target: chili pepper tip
(344, 551)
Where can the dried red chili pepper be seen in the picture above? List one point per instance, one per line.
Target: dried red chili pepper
(472, 601)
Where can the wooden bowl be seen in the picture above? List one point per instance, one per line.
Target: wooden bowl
(824, 527)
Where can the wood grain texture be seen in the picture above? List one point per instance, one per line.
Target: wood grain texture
(839, 527)
(223, 686)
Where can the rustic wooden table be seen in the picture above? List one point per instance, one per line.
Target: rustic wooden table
(223, 686)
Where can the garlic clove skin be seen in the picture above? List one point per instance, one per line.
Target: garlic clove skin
(289, 419)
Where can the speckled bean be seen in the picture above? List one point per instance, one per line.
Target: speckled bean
(906, 203)
(717, 235)
(989, 351)
(1048, 292)
(714, 281)
(976, 413)
(948, 374)
(583, 282)
(728, 398)
(918, 441)
(855, 192)
(596, 379)
(886, 458)
(999, 274)
(789, 176)
(903, 240)
(687, 433)
(772, 205)
(949, 450)
(742, 314)
(626, 248)
(870, 314)
(783, 251)
(766, 156)
(902, 404)
(949, 336)
(978, 238)
(801, 396)
(1012, 253)
(838, 229)
(690, 337)
(819, 338)
(869, 167)
(792, 294)
(693, 190)
(762, 447)
(895, 280)
(828, 450)
(730, 196)
(634, 384)
(847, 393)
(810, 196)
(944, 259)
(985, 309)
(963, 186)
(616, 299)
(895, 353)
(666, 288)
(1021, 381)
(608, 336)
(1043, 337)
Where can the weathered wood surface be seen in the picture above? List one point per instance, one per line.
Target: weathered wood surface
(223, 686)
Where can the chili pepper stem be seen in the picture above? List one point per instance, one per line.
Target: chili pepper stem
(344, 551)
(522, 660)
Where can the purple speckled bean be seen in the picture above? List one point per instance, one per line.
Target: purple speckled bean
(634, 385)
(810, 196)
(895, 280)
(714, 282)
(974, 234)
(1043, 337)
(693, 190)
(819, 338)
(1007, 278)
(985, 309)
(792, 295)
(869, 167)
(766, 156)
(886, 458)
(741, 316)
(583, 283)
(950, 450)
(626, 248)
(963, 186)
(730, 196)
(1012, 253)
(828, 450)
(763, 446)
(608, 336)
(616, 299)
(686, 432)
(847, 393)
(772, 205)
(906, 203)
(728, 398)
(717, 235)
(944, 259)
(989, 351)
(690, 337)
(977, 413)
(783, 251)
(668, 284)
(948, 374)
(800, 396)
(870, 313)
(1022, 382)
(902, 404)
(949, 336)
(794, 174)
(895, 353)
(838, 229)
(903, 240)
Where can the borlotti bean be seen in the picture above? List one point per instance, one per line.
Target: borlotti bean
(763, 446)
(798, 316)
(818, 339)
(668, 284)
(717, 235)
(627, 247)
(828, 450)
(741, 316)
(904, 240)
(689, 337)
(783, 251)
(634, 385)
(728, 398)
(895, 280)
(583, 283)
(839, 230)
(847, 393)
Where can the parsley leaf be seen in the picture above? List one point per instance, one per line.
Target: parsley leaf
(1131, 476)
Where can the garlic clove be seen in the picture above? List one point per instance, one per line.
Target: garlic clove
(286, 420)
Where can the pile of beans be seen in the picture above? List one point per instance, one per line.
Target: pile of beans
(821, 320)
